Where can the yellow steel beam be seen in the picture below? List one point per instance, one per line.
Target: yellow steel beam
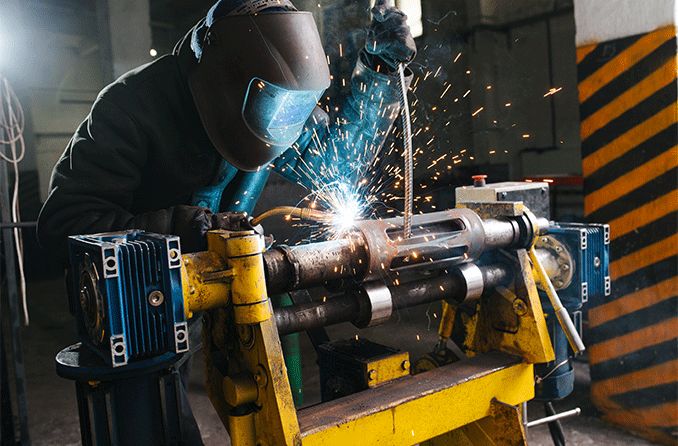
(417, 408)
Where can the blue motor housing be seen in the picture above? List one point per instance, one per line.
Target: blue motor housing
(126, 295)
(581, 255)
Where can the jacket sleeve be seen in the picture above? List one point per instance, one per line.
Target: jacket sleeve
(344, 149)
(92, 186)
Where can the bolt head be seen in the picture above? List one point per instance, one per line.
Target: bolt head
(156, 298)
(372, 375)
(405, 365)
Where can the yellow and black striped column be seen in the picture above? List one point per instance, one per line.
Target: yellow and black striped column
(628, 93)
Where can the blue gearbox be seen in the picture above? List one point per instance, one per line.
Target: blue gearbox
(126, 295)
(579, 259)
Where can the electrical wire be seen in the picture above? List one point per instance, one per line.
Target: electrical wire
(13, 150)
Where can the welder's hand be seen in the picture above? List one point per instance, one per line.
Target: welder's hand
(389, 37)
(230, 221)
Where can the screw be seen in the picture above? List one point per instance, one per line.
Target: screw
(596, 262)
(405, 365)
(565, 267)
(372, 375)
(156, 298)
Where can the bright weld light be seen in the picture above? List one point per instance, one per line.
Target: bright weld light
(346, 215)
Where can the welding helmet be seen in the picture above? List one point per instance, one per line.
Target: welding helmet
(256, 83)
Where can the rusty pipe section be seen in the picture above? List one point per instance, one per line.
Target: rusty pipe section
(305, 266)
(378, 249)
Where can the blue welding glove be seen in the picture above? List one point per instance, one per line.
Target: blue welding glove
(389, 37)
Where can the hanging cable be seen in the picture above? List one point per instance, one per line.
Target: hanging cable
(13, 149)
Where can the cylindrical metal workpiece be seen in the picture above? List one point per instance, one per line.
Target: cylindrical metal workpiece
(348, 308)
(312, 315)
(377, 250)
(305, 266)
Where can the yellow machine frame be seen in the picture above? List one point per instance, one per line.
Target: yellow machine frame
(475, 401)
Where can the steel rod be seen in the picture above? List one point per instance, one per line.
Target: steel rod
(348, 308)
(558, 416)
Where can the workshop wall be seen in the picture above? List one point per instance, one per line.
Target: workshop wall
(629, 94)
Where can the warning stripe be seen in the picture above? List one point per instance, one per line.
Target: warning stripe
(643, 68)
(626, 59)
(638, 320)
(643, 278)
(628, 94)
(633, 302)
(649, 377)
(662, 415)
(650, 148)
(634, 361)
(653, 232)
(584, 51)
(644, 215)
(627, 141)
(631, 180)
(634, 341)
(650, 191)
(646, 256)
(630, 98)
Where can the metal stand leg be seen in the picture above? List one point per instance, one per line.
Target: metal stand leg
(14, 414)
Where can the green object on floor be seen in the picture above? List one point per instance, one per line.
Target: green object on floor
(292, 352)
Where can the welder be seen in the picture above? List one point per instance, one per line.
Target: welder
(170, 145)
(185, 144)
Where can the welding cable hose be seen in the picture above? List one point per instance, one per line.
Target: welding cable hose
(290, 211)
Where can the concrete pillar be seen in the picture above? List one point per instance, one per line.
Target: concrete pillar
(628, 94)
(125, 35)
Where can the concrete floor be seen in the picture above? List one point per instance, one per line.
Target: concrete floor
(52, 406)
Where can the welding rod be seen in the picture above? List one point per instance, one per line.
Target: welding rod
(409, 156)
(348, 308)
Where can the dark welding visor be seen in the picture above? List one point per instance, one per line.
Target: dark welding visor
(257, 82)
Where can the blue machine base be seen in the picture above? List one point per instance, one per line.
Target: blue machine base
(136, 404)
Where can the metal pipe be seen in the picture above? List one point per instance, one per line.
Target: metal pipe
(377, 249)
(306, 266)
(348, 308)
(21, 224)
(558, 416)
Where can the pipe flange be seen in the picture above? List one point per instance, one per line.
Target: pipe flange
(563, 264)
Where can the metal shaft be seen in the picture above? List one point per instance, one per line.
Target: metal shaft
(348, 308)
(377, 249)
